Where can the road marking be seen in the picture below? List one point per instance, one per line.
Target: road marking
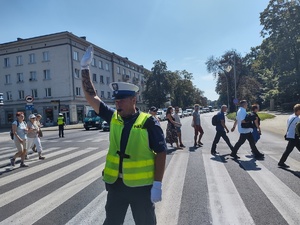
(167, 210)
(33, 185)
(45, 205)
(227, 206)
(283, 198)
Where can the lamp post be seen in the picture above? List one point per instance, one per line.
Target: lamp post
(228, 69)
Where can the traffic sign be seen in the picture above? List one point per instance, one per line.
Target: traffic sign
(29, 107)
(29, 98)
(235, 101)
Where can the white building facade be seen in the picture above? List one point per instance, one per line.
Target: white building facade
(47, 68)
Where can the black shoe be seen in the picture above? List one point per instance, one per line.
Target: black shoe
(283, 165)
(214, 153)
(235, 156)
(259, 156)
(34, 149)
(12, 162)
(41, 157)
(182, 146)
(23, 165)
(200, 143)
(195, 145)
(26, 157)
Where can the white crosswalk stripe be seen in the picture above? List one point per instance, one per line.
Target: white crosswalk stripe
(225, 202)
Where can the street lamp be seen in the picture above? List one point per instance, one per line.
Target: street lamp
(228, 69)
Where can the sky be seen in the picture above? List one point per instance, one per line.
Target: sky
(182, 33)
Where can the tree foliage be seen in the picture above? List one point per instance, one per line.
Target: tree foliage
(161, 82)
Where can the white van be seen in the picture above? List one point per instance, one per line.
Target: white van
(190, 111)
(161, 115)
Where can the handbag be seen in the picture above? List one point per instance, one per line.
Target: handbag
(285, 138)
(40, 133)
(192, 123)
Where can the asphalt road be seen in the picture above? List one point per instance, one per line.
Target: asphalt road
(198, 188)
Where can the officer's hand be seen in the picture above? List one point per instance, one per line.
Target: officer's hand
(87, 58)
(156, 192)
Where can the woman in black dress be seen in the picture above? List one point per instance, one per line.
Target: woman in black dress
(171, 133)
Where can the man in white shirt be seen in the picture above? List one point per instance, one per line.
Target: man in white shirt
(291, 136)
(245, 133)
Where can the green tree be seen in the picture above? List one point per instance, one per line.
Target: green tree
(280, 51)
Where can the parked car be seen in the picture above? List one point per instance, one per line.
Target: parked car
(161, 115)
(185, 113)
(105, 126)
(190, 111)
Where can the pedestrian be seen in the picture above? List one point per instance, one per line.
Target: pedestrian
(291, 136)
(178, 126)
(153, 112)
(32, 135)
(256, 123)
(61, 125)
(40, 133)
(19, 129)
(197, 126)
(171, 132)
(245, 133)
(135, 162)
(221, 129)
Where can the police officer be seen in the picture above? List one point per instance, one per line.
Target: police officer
(61, 124)
(136, 157)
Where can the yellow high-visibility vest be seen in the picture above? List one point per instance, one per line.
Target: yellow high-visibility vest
(138, 169)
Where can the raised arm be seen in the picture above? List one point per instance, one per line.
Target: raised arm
(87, 85)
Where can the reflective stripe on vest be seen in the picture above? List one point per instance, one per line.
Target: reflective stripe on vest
(138, 169)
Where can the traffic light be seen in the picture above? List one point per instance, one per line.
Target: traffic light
(1, 99)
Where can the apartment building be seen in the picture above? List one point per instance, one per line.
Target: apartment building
(42, 75)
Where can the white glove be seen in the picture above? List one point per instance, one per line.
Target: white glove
(87, 58)
(156, 192)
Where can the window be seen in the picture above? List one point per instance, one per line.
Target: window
(118, 70)
(45, 56)
(47, 75)
(32, 76)
(19, 60)
(48, 92)
(107, 66)
(6, 62)
(94, 62)
(78, 91)
(94, 77)
(101, 79)
(107, 80)
(75, 56)
(20, 77)
(124, 71)
(34, 93)
(108, 95)
(100, 64)
(8, 95)
(129, 73)
(76, 73)
(32, 58)
(21, 94)
(102, 94)
(7, 79)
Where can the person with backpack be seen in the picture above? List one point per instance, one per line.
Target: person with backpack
(221, 128)
(19, 130)
(245, 132)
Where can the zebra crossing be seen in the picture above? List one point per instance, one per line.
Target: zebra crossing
(245, 191)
